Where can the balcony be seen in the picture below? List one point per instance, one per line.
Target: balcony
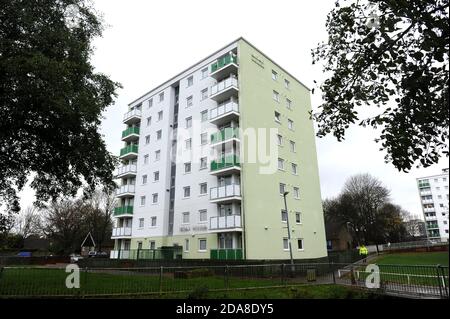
(221, 223)
(121, 232)
(429, 210)
(125, 191)
(427, 201)
(425, 192)
(224, 66)
(225, 194)
(126, 171)
(225, 165)
(130, 134)
(120, 211)
(226, 254)
(224, 113)
(129, 152)
(225, 135)
(133, 116)
(224, 89)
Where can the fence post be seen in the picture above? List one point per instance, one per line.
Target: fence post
(332, 270)
(438, 268)
(352, 276)
(160, 279)
(83, 289)
(227, 277)
(282, 274)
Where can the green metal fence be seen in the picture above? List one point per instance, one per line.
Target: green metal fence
(425, 281)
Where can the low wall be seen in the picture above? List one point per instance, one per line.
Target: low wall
(25, 261)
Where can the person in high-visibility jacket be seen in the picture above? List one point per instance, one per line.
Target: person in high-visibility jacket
(363, 251)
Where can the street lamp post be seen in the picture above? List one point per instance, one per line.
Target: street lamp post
(289, 232)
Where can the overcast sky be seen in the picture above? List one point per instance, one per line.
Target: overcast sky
(148, 42)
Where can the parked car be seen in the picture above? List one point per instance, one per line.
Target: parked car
(74, 258)
(98, 254)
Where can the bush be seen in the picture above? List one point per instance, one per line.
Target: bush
(198, 293)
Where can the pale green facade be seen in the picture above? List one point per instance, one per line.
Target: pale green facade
(263, 230)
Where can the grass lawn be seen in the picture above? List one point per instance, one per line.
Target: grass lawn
(431, 258)
(48, 282)
(412, 268)
(298, 292)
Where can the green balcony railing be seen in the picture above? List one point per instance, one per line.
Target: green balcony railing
(226, 254)
(225, 162)
(122, 210)
(220, 63)
(130, 130)
(129, 149)
(225, 134)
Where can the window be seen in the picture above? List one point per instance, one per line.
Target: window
(161, 96)
(287, 84)
(296, 192)
(290, 124)
(203, 188)
(202, 244)
(292, 144)
(279, 139)
(186, 245)
(141, 222)
(204, 115)
(203, 215)
(160, 115)
(153, 221)
(188, 143)
(187, 191)
(277, 117)
(146, 159)
(149, 121)
(155, 198)
(285, 244)
(153, 245)
(203, 138)
(190, 81)
(204, 94)
(294, 168)
(282, 188)
(142, 200)
(204, 73)
(300, 244)
(156, 176)
(187, 167)
(203, 163)
(276, 96)
(436, 180)
(298, 217)
(289, 104)
(189, 101)
(188, 122)
(186, 218)
(284, 216)
(280, 163)
(274, 75)
(158, 134)
(157, 155)
(150, 103)
(147, 139)
(444, 179)
(144, 179)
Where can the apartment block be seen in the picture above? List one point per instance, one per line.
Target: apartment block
(433, 192)
(207, 158)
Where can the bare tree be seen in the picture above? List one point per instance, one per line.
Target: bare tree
(99, 216)
(64, 225)
(364, 207)
(28, 222)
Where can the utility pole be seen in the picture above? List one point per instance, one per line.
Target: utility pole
(289, 232)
